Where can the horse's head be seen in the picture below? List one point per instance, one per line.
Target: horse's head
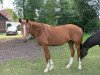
(25, 29)
(83, 52)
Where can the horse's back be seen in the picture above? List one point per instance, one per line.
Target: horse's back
(64, 33)
(72, 30)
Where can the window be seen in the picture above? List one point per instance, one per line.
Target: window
(8, 25)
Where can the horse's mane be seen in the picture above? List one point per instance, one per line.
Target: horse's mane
(36, 23)
(40, 25)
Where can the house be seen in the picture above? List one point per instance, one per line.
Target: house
(5, 15)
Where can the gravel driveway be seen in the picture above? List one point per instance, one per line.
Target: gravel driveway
(16, 48)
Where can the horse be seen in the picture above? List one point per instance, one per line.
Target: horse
(47, 35)
(92, 41)
(25, 33)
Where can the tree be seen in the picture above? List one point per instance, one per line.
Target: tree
(27, 8)
(58, 12)
(88, 15)
(14, 16)
(78, 12)
(47, 13)
(1, 2)
(68, 12)
(32, 8)
(19, 7)
(96, 5)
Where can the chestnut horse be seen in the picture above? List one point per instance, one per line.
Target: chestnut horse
(25, 32)
(47, 35)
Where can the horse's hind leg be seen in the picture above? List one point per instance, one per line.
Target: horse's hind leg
(71, 46)
(78, 54)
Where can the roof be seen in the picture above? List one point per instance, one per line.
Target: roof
(5, 14)
(9, 14)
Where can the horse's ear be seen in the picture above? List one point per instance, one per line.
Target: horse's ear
(20, 20)
(27, 20)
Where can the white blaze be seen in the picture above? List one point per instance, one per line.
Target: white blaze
(24, 28)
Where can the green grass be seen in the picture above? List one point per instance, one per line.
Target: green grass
(60, 56)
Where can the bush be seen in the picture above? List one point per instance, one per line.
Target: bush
(92, 25)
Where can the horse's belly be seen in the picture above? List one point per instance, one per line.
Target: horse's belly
(57, 41)
(56, 44)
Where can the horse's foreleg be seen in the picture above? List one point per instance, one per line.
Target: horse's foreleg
(78, 54)
(49, 61)
(71, 46)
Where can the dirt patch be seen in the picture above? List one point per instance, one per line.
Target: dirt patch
(16, 48)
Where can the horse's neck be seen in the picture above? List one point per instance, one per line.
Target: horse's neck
(36, 28)
(36, 24)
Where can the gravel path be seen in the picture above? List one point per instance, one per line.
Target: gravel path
(16, 48)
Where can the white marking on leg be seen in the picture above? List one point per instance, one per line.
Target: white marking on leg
(47, 67)
(80, 67)
(51, 64)
(28, 36)
(70, 63)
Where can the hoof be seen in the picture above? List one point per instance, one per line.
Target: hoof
(50, 68)
(46, 70)
(79, 67)
(68, 66)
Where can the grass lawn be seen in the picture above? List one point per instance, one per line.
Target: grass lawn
(3, 36)
(60, 56)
